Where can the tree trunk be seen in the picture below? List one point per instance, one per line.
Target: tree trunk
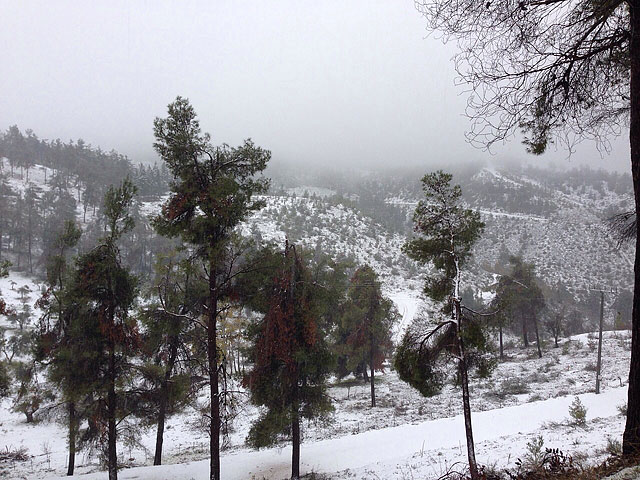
(30, 236)
(501, 346)
(631, 436)
(535, 326)
(295, 434)
(164, 400)
(524, 333)
(373, 387)
(73, 429)
(162, 412)
(111, 412)
(212, 354)
(466, 404)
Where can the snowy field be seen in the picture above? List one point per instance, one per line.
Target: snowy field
(405, 437)
(425, 450)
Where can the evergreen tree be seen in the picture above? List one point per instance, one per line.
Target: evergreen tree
(5, 378)
(108, 291)
(519, 297)
(170, 325)
(446, 233)
(364, 335)
(290, 358)
(58, 343)
(212, 193)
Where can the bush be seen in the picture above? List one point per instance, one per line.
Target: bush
(514, 386)
(578, 412)
(553, 464)
(532, 460)
(622, 409)
(614, 447)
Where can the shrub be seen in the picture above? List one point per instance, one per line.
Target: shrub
(532, 460)
(614, 447)
(578, 412)
(514, 386)
(622, 409)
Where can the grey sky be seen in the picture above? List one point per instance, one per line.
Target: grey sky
(327, 81)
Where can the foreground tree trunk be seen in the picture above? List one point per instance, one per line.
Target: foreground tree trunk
(466, 404)
(212, 354)
(631, 436)
(164, 400)
(373, 387)
(501, 345)
(295, 434)
(73, 429)
(111, 412)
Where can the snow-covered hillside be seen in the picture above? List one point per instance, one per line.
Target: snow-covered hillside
(560, 229)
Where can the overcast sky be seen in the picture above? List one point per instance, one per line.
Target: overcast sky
(336, 82)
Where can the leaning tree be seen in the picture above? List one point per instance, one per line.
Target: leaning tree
(445, 233)
(557, 70)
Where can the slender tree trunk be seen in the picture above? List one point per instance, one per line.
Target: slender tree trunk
(373, 387)
(164, 400)
(295, 434)
(631, 436)
(501, 345)
(162, 412)
(212, 353)
(111, 408)
(535, 326)
(466, 403)
(73, 429)
(525, 337)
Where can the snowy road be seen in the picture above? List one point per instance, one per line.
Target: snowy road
(388, 446)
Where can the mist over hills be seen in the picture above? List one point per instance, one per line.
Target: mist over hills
(552, 218)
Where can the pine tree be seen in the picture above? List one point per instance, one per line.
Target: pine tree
(213, 191)
(57, 342)
(108, 291)
(170, 324)
(518, 296)
(5, 377)
(446, 233)
(290, 358)
(364, 334)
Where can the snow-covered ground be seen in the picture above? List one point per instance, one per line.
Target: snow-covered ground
(406, 436)
(426, 449)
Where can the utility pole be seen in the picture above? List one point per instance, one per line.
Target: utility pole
(602, 291)
(599, 363)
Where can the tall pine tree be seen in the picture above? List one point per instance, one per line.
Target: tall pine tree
(213, 191)
(56, 342)
(446, 232)
(107, 289)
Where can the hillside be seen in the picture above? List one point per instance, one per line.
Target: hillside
(557, 225)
